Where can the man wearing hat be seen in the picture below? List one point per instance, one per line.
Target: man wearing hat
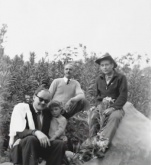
(111, 87)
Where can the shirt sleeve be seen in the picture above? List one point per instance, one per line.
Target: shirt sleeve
(123, 90)
(78, 90)
(61, 127)
(53, 88)
(97, 93)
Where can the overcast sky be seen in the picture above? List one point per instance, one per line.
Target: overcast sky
(114, 26)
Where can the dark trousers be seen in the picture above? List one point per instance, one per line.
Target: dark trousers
(107, 125)
(29, 150)
(76, 107)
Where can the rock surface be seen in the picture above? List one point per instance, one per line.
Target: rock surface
(8, 163)
(131, 144)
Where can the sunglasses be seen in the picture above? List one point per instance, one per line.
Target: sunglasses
(42, 99)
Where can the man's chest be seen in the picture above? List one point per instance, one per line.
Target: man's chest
(63, 88)
(112, 85)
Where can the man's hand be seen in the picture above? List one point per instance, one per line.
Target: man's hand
(43, 139)
(108, 111)
(69, 103)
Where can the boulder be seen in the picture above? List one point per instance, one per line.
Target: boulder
(7, 163)
(131, 144)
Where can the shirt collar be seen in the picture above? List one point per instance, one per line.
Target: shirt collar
(66, 79)
(114, 75)
(109, 77)
(36, 110)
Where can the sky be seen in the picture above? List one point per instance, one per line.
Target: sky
(115, 26)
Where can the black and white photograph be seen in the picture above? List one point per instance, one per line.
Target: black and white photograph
(75, 82)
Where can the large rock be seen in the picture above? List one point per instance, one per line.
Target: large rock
(131, 144)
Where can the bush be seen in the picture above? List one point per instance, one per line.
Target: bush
(18, 78)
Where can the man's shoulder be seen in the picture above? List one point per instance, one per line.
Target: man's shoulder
(22, 105)
(58, 80)
(99, 77)
(21, 108)
(75, 81)
(120, 75)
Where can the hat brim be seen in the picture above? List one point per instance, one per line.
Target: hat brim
(98, 61)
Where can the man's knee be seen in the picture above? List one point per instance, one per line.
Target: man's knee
(58, 143)
(84, 103)
(30, 140)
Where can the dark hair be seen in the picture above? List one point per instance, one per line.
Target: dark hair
(41, 88)
(55, 103)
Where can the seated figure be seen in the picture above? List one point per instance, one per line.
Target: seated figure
(111, 88)
(68, 91)
(58, 122)
(29, 133)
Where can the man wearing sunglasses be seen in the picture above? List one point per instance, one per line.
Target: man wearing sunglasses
(29, 129)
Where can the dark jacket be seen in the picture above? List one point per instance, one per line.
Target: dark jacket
(116, 89)
(45, 127)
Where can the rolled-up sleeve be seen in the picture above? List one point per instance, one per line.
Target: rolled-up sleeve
(78, 89)
(53, 88)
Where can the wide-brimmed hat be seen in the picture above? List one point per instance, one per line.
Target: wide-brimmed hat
(106, 56)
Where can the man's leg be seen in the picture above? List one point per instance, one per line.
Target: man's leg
(55, 152)
(30, 147)
(76, 107)
(16, 154)
(26, 151)
(94, 125)
(113, 121)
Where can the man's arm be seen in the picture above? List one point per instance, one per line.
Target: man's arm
(79, 94)
(43, 139)
(123, 90)
(53, 88)
(97, 93)
(25, 133)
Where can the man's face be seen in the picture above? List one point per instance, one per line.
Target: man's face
(68, 70)
(41, 100)
(106, 66)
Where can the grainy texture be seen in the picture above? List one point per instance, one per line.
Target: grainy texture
(132, 142)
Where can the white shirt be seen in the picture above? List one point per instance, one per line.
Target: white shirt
(66, 79)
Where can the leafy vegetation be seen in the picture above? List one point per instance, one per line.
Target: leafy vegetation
(19, 77)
